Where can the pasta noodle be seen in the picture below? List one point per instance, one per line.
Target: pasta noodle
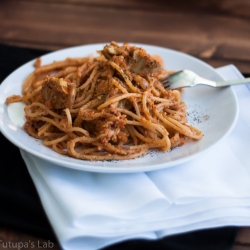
(110, 107)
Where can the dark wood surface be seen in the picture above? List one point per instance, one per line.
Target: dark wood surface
(218, 32)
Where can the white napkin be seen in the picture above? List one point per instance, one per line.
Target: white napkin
(93, 210)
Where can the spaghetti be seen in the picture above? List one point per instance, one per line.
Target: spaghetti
(111, 107)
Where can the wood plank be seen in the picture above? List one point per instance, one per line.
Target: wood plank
(70, 18)
(242, 241)
(38, 26)
(235, 247)
(243, 236)
(223, 7)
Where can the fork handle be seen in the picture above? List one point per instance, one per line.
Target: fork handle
(233, 82)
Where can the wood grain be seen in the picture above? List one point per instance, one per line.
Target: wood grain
(242, 241)
(217, 32)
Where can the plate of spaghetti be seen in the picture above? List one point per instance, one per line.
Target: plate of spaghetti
(102, 108)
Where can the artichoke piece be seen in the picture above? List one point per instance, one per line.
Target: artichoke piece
(143, 63)
(58, 93)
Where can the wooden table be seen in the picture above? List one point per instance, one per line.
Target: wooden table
(218, 32)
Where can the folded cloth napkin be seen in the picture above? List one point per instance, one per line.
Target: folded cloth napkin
(93, 210)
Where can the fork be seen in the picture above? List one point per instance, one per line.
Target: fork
(187, 78)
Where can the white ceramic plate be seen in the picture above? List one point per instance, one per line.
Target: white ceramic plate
(214, 111)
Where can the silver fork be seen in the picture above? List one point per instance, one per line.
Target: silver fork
(187, 78)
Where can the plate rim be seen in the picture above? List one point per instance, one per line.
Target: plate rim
(79, 164)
